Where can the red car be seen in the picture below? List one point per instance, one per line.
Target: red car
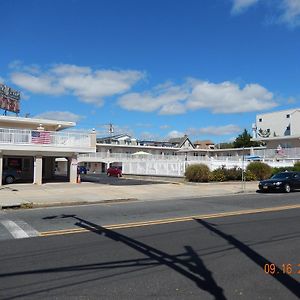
(114, 171)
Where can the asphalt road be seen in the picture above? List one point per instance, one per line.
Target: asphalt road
(217, 258)
(33, 221)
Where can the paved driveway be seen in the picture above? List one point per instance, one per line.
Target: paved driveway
(111, 180)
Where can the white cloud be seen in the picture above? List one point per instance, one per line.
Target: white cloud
(165, 126)
(90, 86)
(228, 97)
(175, 134)
(283, 11)
(2, 80)
(165, 98)
(43, 84)
(146, 135)
(290, 13)
(240, 6)
(225, 97)
(217, 130)
(60, 115)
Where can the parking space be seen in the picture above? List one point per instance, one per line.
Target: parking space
(111, 180)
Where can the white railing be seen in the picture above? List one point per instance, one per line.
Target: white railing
(265, 155)
(290, 153)
(44, 138)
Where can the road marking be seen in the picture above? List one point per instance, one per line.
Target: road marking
(171, 220)
(15, 230)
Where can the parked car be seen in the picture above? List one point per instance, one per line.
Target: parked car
(252, 158)
(11, 175)
(82, 170)
(114, 171)
(284, 181)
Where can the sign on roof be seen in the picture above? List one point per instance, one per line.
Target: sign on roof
(9, 99)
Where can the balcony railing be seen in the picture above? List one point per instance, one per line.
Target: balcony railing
(45, 138)
(264, 155)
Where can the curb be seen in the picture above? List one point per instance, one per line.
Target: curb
(31, 205)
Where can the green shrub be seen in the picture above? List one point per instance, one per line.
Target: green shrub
(276, 170)
(197, 173)
(297, 166)
(259, 170)
(223, 174)
(233, 173)
(217, 175)
(249, 176)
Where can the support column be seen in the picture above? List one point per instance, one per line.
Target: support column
(73, 169)
(1, 168)
(37, 170)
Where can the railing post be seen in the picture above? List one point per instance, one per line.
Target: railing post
(1, 168)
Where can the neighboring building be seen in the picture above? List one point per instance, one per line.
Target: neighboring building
(280, 129)
(32, 145)
(119, 139)
(206, 144)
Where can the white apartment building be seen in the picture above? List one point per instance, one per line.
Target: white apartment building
(280, 129)
(32, 145)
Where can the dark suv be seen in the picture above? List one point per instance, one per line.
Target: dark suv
(284, 181)
(10, 175)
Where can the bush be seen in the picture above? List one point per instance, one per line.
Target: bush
(276, 170)
(223, 174)
(217, 175)
(233, 173)
(249, 176)
(197, 173)
(260, 170)
(297, 166)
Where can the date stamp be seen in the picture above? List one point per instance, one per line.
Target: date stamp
(287, 268)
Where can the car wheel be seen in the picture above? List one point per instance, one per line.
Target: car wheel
(9, 179)
(118, 175)
(108, 174)
(287, 188)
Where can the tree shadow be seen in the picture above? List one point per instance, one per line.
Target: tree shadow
(285, 279)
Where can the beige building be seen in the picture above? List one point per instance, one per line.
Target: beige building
(31, 146)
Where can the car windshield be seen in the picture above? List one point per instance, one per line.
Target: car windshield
(281, 176)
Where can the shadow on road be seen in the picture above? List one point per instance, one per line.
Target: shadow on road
(286, 280)
(190, 265)
(187, 264)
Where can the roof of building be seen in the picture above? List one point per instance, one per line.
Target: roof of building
(11, 120)
(207, 142)
(114, 137)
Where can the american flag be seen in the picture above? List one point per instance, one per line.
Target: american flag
(40, 137)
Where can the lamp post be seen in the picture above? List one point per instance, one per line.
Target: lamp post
(243, 166)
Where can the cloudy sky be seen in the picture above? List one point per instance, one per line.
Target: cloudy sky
(155, 69)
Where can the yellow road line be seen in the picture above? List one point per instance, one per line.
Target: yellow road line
(172, 220)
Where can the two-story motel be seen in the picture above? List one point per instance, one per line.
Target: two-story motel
(36, 145)
(33, 145)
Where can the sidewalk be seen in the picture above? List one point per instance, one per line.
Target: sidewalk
(57, 194)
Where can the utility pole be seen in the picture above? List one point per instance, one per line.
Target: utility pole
(243, 173)
(111, 129)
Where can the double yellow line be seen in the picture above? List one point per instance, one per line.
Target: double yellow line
(172, 220)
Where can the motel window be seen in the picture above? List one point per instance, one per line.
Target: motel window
(260, 120)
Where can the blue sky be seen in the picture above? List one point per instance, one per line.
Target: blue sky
(155, 69)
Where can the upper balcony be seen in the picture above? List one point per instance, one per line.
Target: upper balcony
(50, 141)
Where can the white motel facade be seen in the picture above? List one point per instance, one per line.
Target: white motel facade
(43, 148)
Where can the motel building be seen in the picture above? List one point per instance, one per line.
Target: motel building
(34, 147)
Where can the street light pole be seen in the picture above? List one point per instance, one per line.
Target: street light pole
(243, 166)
